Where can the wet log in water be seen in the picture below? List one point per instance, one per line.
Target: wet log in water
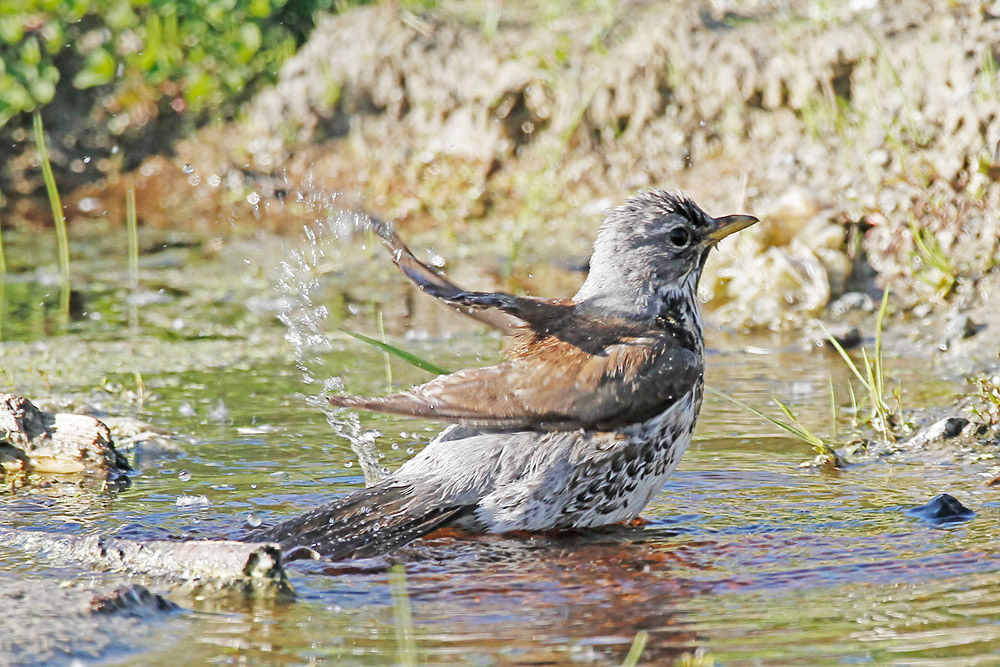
(220, 564)
(33, 440)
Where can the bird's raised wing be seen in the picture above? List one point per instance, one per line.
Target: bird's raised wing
(555, 385)
(497, 309)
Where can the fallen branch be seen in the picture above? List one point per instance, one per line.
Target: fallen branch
(252, 567)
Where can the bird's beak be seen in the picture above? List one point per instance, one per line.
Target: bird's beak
(729, 224)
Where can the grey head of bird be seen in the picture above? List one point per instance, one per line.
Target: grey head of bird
(654, 243)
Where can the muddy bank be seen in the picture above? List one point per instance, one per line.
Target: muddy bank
(871, 156)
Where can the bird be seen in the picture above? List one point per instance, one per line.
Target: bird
(578, 427)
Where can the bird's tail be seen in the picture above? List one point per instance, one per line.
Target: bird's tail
(366, 523)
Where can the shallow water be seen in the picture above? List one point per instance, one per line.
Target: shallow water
(748, 558)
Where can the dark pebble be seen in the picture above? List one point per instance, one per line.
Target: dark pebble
(942, 508)
(133, 600)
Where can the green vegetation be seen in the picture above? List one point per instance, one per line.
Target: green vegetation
(826, 455)
(3, 257)
(886, 421)
(933, 256)
(132, 222)
(635, 651)
(62, 238)
(987, 406)
(883, 419)
(408, 357)
(203, 56)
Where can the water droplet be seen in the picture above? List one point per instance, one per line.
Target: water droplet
(409, 450)
(184, 476)
(395, 446)
(349, 464)
(187, 169)
(253, 520)
(219, 413)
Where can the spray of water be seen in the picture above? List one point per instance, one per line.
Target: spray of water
(299, 283)
(305, 318)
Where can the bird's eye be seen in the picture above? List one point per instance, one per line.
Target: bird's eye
(680, 237)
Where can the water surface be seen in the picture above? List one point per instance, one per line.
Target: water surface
(747, 558)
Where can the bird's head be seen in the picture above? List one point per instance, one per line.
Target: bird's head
(655, 241)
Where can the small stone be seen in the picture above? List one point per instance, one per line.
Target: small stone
(958, 327)
(939, 431)
(847, 336)
(943, 508)
(133, 600)
(852, 301)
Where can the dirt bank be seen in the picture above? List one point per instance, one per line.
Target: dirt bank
(865, 134)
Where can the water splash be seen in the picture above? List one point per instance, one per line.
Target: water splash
(305, 319)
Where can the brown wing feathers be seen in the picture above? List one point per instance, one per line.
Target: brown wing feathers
(566, 371)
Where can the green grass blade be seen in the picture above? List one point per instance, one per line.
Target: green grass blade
(843, 354)
(385, 355)
(132, 222)
(799, 433)
(408, 357)
(854, 404)
(3, 258)
(878, 401)
(833, 410)
(810, 437)
(879, 321)
(638, 646)
(62, 238)
(788, 413)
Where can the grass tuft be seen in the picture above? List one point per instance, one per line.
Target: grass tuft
(873, 377)
(792, 426)
(932, 255)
